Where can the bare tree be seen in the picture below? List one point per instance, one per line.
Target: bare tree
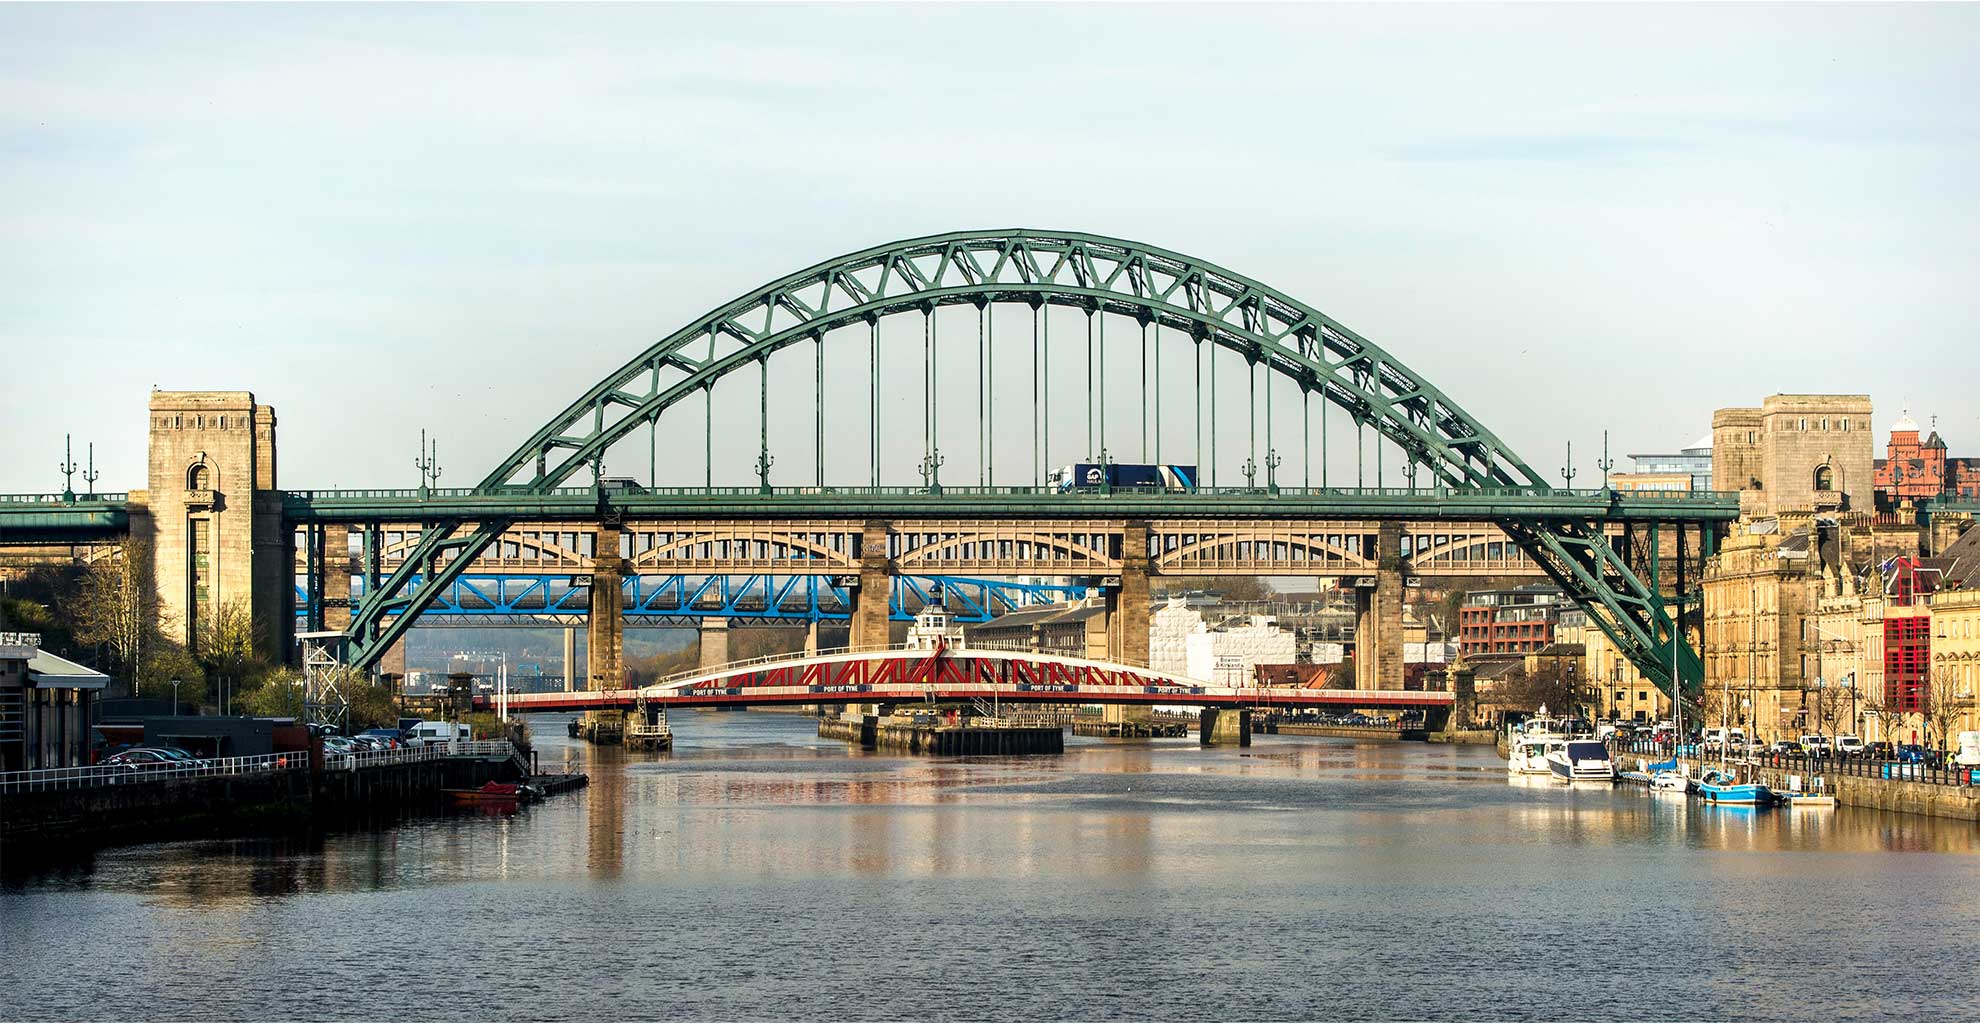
(1551, 687)
(1945, 707)
(1888, 716)
(116, 607)
(1828, 706)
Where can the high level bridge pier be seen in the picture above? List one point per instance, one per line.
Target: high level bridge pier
(1288, 445)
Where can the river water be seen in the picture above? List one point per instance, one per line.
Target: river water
(758, 872)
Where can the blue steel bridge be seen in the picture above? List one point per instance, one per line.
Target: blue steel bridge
(1318, 453)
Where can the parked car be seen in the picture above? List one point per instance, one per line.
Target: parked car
(339, 745)
(390, 737)
(184, 756)
(1724, 739)
(1785, 748)
(1815, 745)
(143, 759)
(1849, 746)
(1912, 753)
(1880, 751)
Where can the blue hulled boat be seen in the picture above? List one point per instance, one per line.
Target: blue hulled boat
(1718, 787)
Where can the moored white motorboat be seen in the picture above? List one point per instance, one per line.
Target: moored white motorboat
(1527, 743)
(1581, 761)
(1528, 757)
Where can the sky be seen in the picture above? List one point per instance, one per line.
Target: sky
(385, 219)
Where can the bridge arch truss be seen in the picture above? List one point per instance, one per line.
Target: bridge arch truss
(1277, 336)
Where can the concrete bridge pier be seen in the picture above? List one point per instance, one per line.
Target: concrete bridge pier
(1121, 635)
(1127, 605)
(870, 626)
(714, 643)
(1464, 695)
(1378, 617)
(605, 635)
(570, 659)
(1221, 727)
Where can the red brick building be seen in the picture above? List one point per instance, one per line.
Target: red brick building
(1918, 471)
(1515, 621)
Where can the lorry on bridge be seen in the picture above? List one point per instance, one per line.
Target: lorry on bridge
(1093, 476)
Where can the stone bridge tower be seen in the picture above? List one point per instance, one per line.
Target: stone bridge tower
(215, 516)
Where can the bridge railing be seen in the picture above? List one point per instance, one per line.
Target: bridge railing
(1015, 490)
(733, 667)
(252, 764)
(100, 497)
(484, 749)
(108, 775)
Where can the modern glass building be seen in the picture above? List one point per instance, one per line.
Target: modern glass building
(1695, 460)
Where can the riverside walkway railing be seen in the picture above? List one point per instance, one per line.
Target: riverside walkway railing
(1855, 765)
(294, 760)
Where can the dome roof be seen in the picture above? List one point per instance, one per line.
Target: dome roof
(1904, 423)
(1703, 444)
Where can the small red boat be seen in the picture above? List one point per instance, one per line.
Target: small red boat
(494, 793)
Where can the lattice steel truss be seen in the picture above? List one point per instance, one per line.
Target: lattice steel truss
(324, 699)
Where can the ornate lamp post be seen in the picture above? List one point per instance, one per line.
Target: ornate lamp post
(764, 460)
(428, 464)
(931, 470)
(67, 467)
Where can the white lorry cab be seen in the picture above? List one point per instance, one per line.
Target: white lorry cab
(1969, 750)
(424, 733)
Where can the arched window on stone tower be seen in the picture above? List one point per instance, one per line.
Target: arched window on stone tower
(199, 477)
(1825, 478)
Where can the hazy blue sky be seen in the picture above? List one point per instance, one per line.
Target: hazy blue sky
(382, 218)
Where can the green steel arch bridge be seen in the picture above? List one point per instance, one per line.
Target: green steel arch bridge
(991, 308)
(1444, 452)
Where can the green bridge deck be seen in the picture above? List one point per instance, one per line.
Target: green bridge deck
(53, 513)
(1020, 502)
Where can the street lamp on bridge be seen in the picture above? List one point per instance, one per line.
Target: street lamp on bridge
(428, 464)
